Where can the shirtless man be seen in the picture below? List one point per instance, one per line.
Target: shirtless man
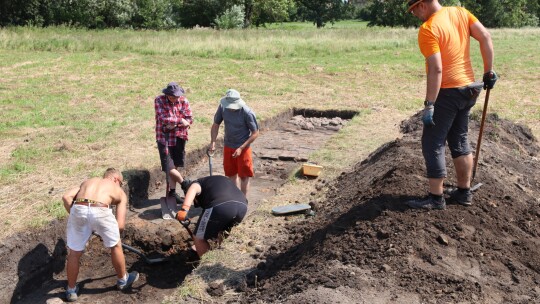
(89, 211)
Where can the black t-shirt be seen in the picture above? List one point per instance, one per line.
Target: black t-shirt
(217, 189)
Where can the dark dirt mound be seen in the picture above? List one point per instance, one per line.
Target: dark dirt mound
(366, 246)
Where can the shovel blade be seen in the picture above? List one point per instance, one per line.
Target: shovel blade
(168, 206)
(475, 187)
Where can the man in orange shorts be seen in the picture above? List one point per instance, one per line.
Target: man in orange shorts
(241, 129)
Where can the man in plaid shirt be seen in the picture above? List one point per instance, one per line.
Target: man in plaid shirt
(173, 119)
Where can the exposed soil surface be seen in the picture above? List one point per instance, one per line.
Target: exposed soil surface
(365, 246)
(362, 246)
(33, 263)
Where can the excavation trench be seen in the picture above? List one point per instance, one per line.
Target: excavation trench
(33, 262)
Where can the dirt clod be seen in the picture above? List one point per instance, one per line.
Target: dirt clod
(216, 289)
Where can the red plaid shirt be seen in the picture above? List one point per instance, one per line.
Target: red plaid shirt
(172, 113)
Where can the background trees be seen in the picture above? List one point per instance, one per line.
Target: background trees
(321, 11)
(492, 13)
(162, 14)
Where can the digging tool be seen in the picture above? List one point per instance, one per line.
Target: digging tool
(145, 258)
(210, 154)
(293, 209)
(168, 203)
(186, 223)
(479, 142)
(139, 253)
(473, 188)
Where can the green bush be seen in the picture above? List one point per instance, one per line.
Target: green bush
(230, 19)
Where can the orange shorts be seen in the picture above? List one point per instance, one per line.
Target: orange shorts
(242, 165)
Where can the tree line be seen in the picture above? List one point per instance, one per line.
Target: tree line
(224, 14)
(492, 13)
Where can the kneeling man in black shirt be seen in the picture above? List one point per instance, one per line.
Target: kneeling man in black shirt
(223, 204)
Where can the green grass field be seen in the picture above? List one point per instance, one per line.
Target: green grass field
(74, 102)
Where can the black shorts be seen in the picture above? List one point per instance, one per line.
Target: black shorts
(219, 218)
(451, 117)
(177, 154)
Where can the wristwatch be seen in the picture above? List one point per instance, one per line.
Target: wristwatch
(428, 103)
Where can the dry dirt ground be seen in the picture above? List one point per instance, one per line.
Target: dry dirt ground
(33, 263)
(366, 246)
(362, 246)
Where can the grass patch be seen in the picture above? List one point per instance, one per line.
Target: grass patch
(53, 210)
(75, 102)
(191, 287)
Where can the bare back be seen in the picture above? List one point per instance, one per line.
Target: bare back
(102, 190)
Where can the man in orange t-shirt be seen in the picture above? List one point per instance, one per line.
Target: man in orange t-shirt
(444, 40)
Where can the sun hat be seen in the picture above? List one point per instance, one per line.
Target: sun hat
(232, 100)
(412, 4)
(173, 89)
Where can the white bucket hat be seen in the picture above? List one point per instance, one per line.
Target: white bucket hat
(232, 100)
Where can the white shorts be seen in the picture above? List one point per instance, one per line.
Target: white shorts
(83, 220)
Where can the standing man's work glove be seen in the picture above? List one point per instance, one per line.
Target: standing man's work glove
(427, 116)
(489, 80)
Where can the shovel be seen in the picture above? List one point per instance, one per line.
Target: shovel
(210, 154)
(139, 253)
(186, 223)
(168, 203)
(145, 258)
(479, 142)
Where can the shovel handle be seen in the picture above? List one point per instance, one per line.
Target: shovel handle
(479, 141)
(186, 225)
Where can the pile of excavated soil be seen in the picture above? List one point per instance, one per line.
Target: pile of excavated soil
(365, 246)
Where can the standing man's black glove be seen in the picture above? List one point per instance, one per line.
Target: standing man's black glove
(427, 115)
(489, 79)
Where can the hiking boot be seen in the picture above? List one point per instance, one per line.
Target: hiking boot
(429, 202)
(123, 284)
(461, 196)
(71, 294)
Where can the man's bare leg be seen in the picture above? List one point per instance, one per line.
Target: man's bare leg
(73, 267)
(244, 185)
(436, 186)
(464, 165)
(175, 177)
(201, 246)
(118, 260)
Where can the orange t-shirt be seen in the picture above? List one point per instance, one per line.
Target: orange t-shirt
(448, 32)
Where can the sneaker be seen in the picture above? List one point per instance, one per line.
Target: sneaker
(123, 284)
(71, 294)
(427, 203)
(461, 196)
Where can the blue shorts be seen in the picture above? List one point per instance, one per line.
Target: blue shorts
(451, 117)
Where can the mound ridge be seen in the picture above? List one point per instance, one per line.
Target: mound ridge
(365, 245)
